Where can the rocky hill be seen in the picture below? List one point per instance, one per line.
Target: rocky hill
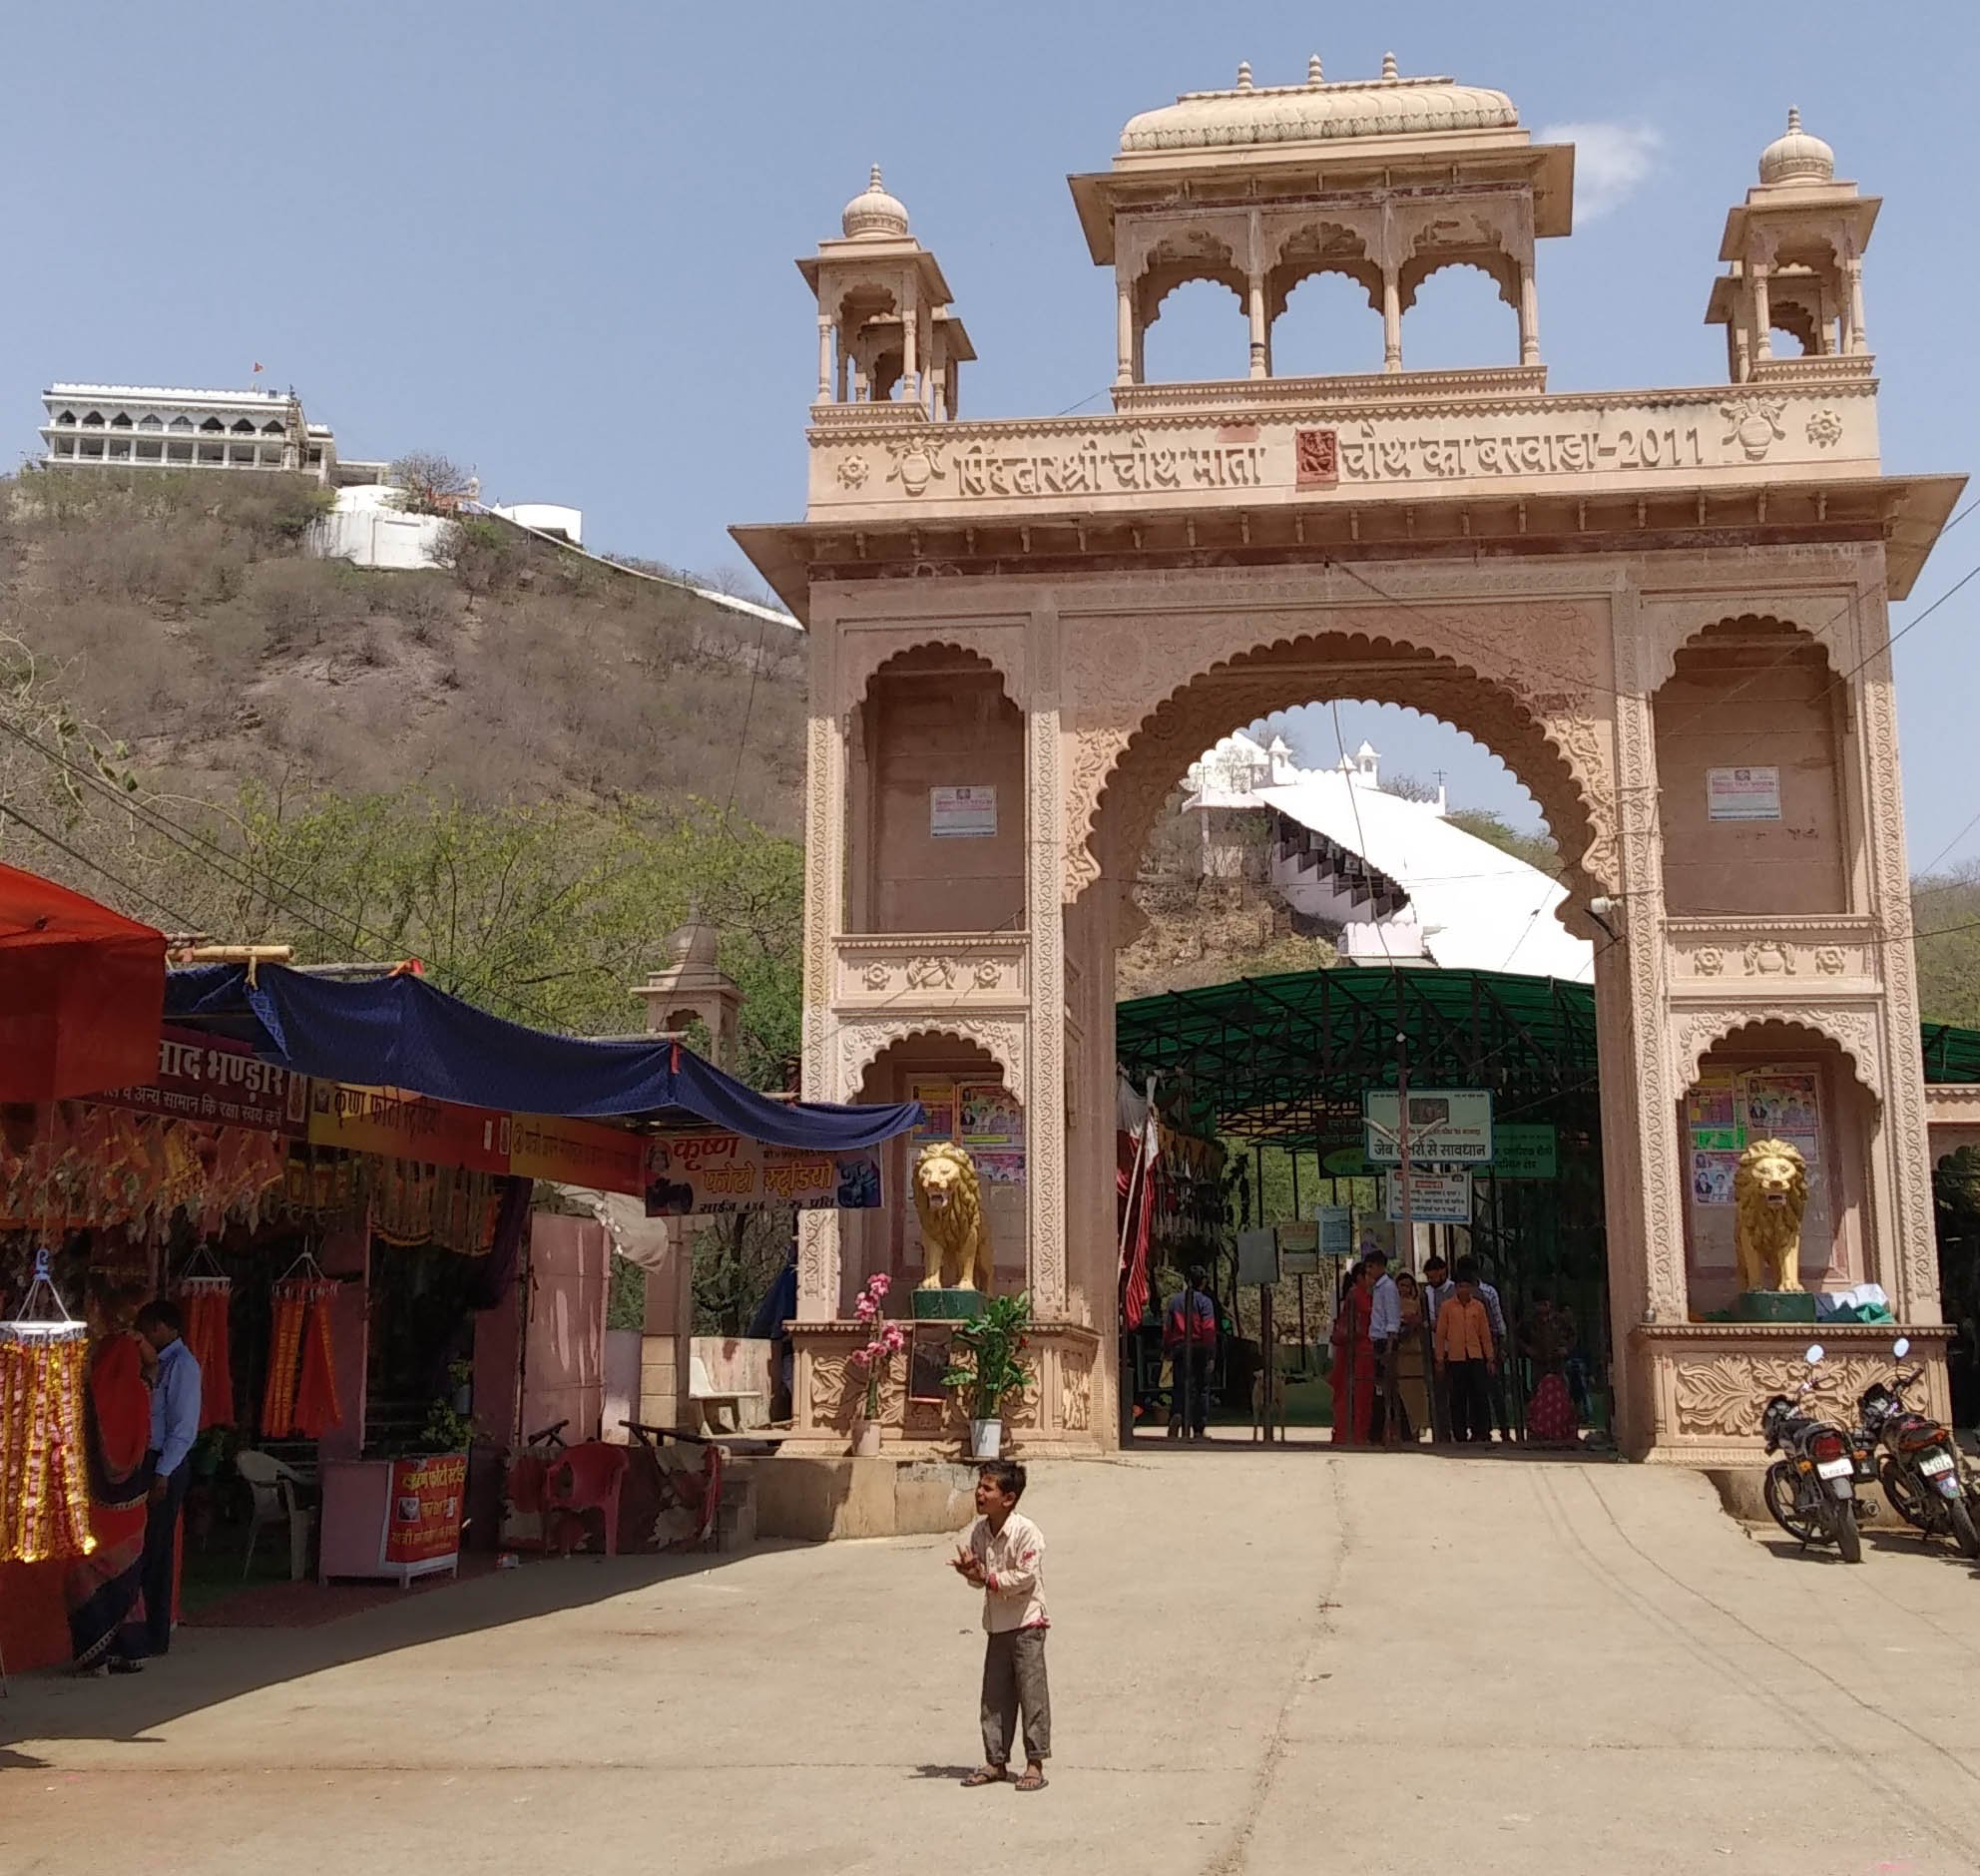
(180, 614)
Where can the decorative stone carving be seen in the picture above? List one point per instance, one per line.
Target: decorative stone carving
(869, 648)
(861, 1040)
(1075, 1392)
(853, 470)
(1755, 424)
(1854, 1031)
(837, 1393)
(1708, 960)
(916, 463)
(1829, 960)
(916, 972)
(1825, 428)
(1722, 1396)
(1768, 957)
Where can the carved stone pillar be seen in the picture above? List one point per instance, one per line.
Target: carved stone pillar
(1255, 302)
(1907, 1235)
(910, 358)
(1124, 371)
(1045, 1042)
(825, 892)
(1529, 316)
(824, 358)
(1762, 311)
(1392, 322)
(1859, 340)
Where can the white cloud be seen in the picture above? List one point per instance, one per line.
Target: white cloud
(1611, 159)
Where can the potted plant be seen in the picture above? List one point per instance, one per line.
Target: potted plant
(884, 1341)
(987, 1364)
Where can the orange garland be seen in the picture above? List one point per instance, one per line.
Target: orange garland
(317, 1407)
(44, 1481)
(285, 1346)
(205, 1301)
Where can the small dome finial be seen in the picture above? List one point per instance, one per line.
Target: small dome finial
(1389, 73)
(1794, 116)
(873, 213)
(1315, 74)
(1245, 75)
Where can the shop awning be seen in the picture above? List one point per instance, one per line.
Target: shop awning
(81, 992)
(401, 1031)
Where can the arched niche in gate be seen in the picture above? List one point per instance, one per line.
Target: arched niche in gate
(936, 791)
(1807, 1077)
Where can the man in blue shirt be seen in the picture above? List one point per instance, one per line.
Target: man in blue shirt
(175, 1428)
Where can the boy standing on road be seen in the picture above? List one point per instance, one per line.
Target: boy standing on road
(1004, 1558)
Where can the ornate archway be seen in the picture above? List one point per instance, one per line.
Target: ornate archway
(1530, 567)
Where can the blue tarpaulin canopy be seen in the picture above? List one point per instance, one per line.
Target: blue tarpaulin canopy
(400, 1032)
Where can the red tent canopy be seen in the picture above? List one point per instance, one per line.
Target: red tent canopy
(82, 992)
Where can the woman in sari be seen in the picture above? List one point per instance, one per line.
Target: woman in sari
(1354, 1360)
(103, 1587)
(1409, 1399)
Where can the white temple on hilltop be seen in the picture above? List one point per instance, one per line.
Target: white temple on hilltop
(1398, 879)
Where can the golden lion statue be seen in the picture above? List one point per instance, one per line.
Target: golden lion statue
(949, 1203)
(1769, 1195)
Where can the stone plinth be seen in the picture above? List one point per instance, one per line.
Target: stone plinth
(815, 1497)
(1709, 1381)
(946, 1305)
(1775, 1307)
(1055, 1414)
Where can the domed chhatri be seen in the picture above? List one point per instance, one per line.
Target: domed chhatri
(873, 214)
(1797, 156)
(1316, 112)
(691, 947)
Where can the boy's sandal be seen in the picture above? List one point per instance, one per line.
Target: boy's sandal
(1033, 1781)
(985, 1777)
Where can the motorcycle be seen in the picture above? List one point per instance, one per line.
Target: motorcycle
(1920, 1470)
(1811, 1488)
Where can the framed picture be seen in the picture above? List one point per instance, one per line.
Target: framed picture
(928, 1362)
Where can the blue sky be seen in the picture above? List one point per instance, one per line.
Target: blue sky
(556, 243)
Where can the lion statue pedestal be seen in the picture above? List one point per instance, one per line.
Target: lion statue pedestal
(1769, 1195)
(948, 1201)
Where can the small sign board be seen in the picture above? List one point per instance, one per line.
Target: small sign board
(1434, 1197)
(1299, 1249)
(1447, 1126)
(1257, 1256)
(1347, 1163)
(1523, 1150)
(1742, 795)
(1335, 1225)
(962, 813)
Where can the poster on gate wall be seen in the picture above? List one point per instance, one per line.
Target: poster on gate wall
(423, 1528)
(697, 1175)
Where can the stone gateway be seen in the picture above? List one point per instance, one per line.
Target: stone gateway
(1628, 594)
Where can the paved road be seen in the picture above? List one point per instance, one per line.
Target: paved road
(1262, 1664)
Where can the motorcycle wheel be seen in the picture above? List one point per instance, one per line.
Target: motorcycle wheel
(1849, 1540)
(1780, 1493)
(1901, 1496)
(1963, 1532)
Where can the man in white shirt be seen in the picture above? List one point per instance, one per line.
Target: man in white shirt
(1384, 1326)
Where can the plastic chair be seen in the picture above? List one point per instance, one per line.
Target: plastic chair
(274, 1486)
(587, 1478)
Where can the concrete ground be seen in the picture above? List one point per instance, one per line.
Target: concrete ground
(1280, 1662)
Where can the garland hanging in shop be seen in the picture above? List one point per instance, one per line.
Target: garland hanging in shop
(317, 1406)
(43, 1475)
(204, 1300)
(415, 1204)
(300, 1398)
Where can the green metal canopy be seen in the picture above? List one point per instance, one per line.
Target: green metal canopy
(1287, 1057)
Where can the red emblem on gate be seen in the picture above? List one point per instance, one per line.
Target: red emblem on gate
(1317, 456)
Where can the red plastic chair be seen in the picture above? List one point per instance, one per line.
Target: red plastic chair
(587, 1478)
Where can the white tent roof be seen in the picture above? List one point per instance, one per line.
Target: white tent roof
(1477, 907)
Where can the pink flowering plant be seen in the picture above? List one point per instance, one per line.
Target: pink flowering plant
(885, 1339)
